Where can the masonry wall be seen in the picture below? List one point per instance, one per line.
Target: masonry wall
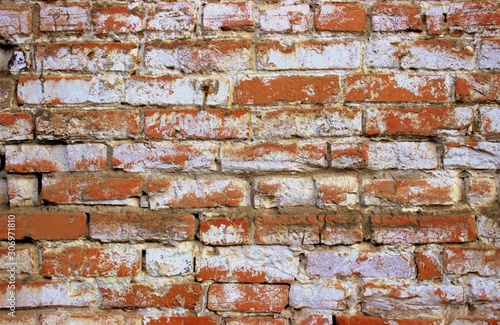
(266, 162)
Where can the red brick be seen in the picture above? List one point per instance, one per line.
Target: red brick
(432, 191)
(45, 225)
(337, 190)
(71, 190)
(121, 227)
(366, 263)
(65, 318)
(228, 16)
(462, 260)
(349, 17)
(247, 297)
(489, 120)
(272, 90)
(407, 296)
(477, 321)
(90, 261)
(19, 319)
(88, 56)
(349, 155)
(25, 258)
(296, 156)
(418, 121)
(199, 56)
(137, 295)
(52, 293)
(55, 18)
(363, 320)
(287, 230)
(210, 124)
(423, 229)
(198, 193)
(16, 126)
(306, 123)
(482, 191)
(28, 158)
(22, 190)
(250, 264)
(171, 156)
(256, 321)
(116, 20)
(176, 17)
(308, 55)
(284, 18)
(477, 87)
(396, 88)
(473, 16)
(429, 264)
(68, 90)
(77, 124)
(16, 20)
(396, 17)
(224, 231)
(180, 320)
(341, 229)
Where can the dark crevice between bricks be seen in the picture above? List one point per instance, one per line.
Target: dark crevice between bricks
(143, 260)
(87, 215)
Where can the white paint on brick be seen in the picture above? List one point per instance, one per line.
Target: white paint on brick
(490, 118)
(347, 262)
(289, 19)
(425, 296)
(488, 226)
(135, 157)
(63, 158)
(402, 155)
(483, 155)
(77, 58)
(218, 234)
(26, 260)
(173, 17)
(189, 59)
(274, 263)
(215, 15)
(437, 58)
(321, 294)
(303, 159)
(23, 190)
(170, 261)
(291, 192)
(176, 91)
(15, 22)
(20, 130)
(305, 125)
(347, 185)
(340, 55)
(62, 18)
(382, 51)
(202, 188)
(489, 55)
(98, 89)
(53, 293)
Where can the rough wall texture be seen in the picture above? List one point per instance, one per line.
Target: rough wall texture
(266, 162)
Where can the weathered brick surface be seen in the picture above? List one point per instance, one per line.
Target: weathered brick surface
(250, 162)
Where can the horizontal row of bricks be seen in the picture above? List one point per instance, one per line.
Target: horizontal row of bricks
(175, 90)
(182, 17)
(216, 124)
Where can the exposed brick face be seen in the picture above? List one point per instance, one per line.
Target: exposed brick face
(250, 162)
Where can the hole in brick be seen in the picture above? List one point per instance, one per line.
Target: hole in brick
(445, 17)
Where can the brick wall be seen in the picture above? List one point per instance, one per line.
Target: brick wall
(243, 163)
